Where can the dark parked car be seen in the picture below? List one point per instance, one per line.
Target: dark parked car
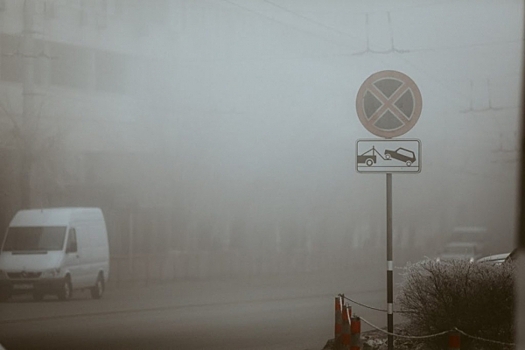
(495, 259)
(401, 154)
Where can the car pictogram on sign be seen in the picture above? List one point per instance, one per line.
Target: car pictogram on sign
(401, 154)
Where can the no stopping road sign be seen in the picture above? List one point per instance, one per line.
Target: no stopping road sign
(388, 103)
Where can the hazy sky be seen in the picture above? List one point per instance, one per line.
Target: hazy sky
(252, 105)
(266, 97)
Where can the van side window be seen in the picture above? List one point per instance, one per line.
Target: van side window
(71, 241)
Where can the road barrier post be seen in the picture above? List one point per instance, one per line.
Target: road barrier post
(355, 333)
(338, 318)
(454, 341)
(346, 336)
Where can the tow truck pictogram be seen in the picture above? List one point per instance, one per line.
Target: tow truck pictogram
(370, 157)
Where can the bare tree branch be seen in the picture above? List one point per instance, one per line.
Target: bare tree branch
(16, 132)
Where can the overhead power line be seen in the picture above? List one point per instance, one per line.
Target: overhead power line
(260, 14)
(311, 20)
(399, 53)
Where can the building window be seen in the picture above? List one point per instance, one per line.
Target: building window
(70, 66)
(110, 71)
(10, 59)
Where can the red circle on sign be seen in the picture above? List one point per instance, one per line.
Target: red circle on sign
(388, 103)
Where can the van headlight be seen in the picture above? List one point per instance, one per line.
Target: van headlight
(51, 273)
(471, 260)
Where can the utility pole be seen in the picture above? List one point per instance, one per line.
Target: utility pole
(31, 96)
(520, 237)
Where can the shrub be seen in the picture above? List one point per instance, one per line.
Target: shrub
(477, 298)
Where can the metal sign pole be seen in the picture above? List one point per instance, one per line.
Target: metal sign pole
(388, 104)
(390, 264)
(130, 247)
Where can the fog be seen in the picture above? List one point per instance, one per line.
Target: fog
(238, 119)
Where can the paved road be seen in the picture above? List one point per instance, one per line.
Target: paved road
(281, 312)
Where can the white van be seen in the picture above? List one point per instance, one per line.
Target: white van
(53, 251)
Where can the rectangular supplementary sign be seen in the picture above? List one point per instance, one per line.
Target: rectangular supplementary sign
(388, 156)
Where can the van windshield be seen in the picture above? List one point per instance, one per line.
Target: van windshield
(35, 238)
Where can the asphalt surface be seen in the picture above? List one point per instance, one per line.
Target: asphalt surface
(279, 312)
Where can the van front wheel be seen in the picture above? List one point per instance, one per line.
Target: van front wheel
(66, 291)
(4, 296)
(98, 289)
(38, 296)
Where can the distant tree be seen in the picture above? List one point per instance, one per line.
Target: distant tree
(32, 152)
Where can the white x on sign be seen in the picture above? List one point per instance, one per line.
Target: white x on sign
(388, 104)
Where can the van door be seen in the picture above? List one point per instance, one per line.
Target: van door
(72, 258)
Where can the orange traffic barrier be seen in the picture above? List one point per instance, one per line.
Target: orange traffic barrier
(338, 330)
(355, 333)
(454, 341)
(346, 336)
